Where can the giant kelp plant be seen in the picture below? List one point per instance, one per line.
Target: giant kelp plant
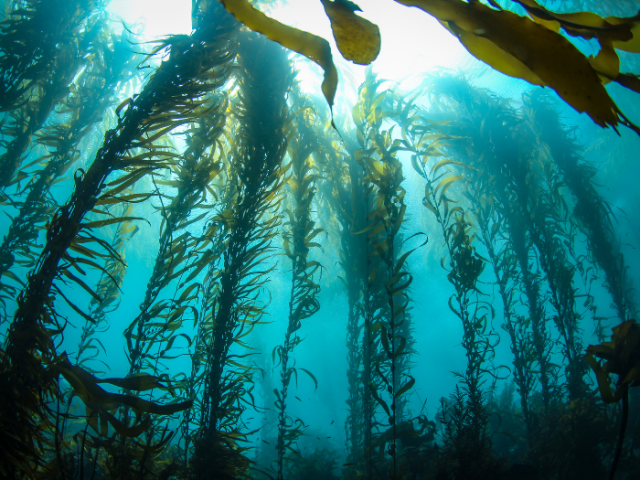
(262, 205)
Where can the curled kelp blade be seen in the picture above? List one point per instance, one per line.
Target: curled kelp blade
(85, 386)
(519, 47)
(621, 33)
(624, 32)
(315, 48)
(357, 38)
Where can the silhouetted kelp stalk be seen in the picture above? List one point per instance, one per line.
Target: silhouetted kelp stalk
(535, 190)
(172, 97)
(82, 25)
(350, 192)
(206, 137)
(343, 190)
(203, 143)
(525, 187)
(385, 215)
(591, 212)
(248, 222)
(68, 463)
(110, 64)
(454, 145)
(480, 135)
(554, 251)
(32, 37)
(467, 434)
(523, 169)
(373, 302)
(299, 233)
(479, 188)
(486, 139)
(489, 221)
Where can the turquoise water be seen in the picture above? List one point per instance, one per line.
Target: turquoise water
(458, 238)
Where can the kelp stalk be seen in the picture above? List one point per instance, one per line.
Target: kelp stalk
(300, 231)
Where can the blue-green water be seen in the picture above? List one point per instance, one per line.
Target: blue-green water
(460, 237)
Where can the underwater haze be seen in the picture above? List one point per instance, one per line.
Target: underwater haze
(211, 268)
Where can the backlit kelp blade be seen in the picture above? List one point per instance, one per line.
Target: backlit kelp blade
(514, 45)
(522, 48)
(357, 38)
(315, 48)
(611, 33)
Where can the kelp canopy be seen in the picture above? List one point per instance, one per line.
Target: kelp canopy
(209, 270)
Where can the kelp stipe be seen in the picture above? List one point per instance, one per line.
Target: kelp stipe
(32, 36)
(248, 222)
(475, 131)
(489, 144)
(93, 92)
(520, 169)
(342, 191)
(505, 269)
(144, 118)
(591, 212)
(467, 448)
(386, 342)
(299, 233)
(206, 155)
(537, 195)
(348, 192)
(373, 299)
(79, 27)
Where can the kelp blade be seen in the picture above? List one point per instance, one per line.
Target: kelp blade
(357, 38)
(315, 48)
(520, 47)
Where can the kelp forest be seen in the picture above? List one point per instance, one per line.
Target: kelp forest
(224, 255)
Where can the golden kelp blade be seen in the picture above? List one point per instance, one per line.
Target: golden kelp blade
(519, 47)
(315, 48)
(624, 32)
(357, 38)
(612, 33)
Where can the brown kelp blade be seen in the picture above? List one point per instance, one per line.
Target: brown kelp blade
(519, 47)
(315, 48)
(621, 33)
(357, 38)
(85, 386)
